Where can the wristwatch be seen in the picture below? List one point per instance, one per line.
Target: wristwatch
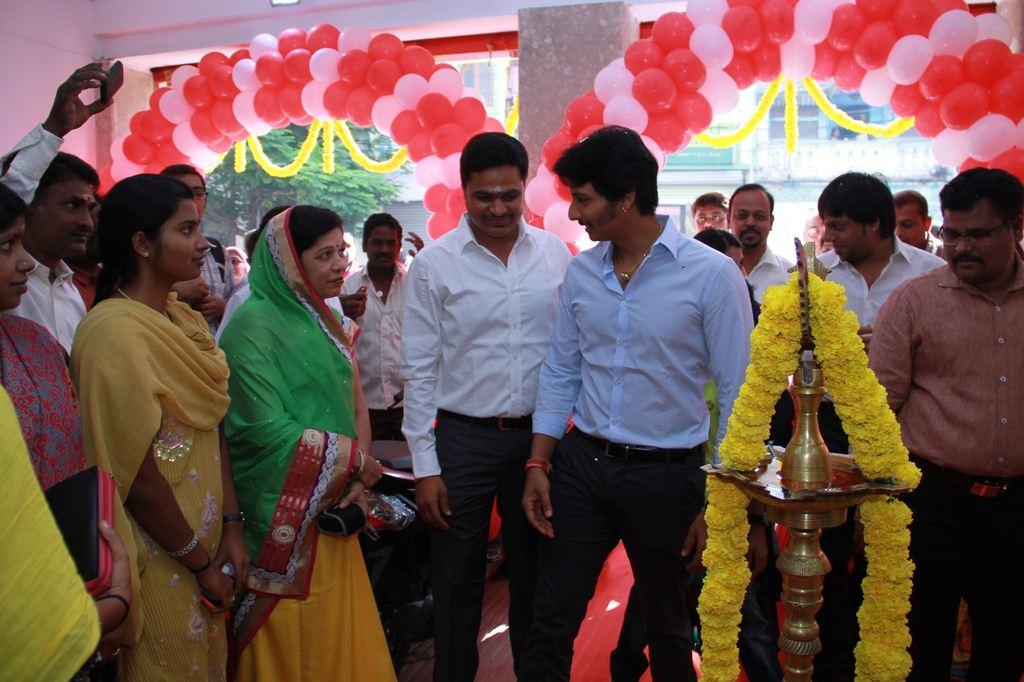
(240, 516)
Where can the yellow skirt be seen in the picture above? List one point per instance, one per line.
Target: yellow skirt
(334, 634)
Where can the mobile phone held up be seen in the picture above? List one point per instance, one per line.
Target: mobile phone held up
(115, 79)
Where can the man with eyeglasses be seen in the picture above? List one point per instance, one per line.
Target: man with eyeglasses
(751, 216)
(710, 211)
(948, 351)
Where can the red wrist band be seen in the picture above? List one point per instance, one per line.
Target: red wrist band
(539, 464)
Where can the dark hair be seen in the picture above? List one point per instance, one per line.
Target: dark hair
(1002, 190)
(66, 167)
(491, 150)
(309, 223)
(180, 169)
(615, 161)
(719, 240)
(380, 220)
(861, 197)
(252, 236)
(11, 206)
(709, 200)
(909, 196)
(754, 187)
(140, 203)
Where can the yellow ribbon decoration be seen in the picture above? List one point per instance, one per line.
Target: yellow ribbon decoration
(512, 120)
(726, 141)
(329, 163)
(305, 151)
(240, 157)
(842, 119)
(791, 112)
(389, 166)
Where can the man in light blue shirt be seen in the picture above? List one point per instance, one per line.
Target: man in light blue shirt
(645, 319)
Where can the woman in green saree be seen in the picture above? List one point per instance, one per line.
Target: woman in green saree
(296, 420)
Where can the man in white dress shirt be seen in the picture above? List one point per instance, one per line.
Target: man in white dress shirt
(913, 222)
(57, 226)
(751, 216)
(375, 298)
(480, 309)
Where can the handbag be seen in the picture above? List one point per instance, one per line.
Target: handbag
(78, 504)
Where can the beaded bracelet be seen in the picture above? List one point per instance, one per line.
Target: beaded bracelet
(186, 549)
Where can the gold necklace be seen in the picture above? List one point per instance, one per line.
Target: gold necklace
(625, 276)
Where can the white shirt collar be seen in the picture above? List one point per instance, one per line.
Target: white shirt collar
(63, 271)
(465, 236)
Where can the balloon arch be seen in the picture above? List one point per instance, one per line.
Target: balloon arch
(928, 59)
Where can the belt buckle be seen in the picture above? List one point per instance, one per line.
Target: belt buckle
(986, 490)
(501, 424)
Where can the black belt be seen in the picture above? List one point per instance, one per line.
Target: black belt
(979, 486)
(499, 423)
(644, 453)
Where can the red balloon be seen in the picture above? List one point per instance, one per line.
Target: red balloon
(419, 147)
(767, 62)
(220, 83)
(266, 105)
(741, 70)
(562, 189)
(154, 127)
(435, 199)
(877, 9)
(942, 75)
(197, 93)
(106, 181)
(693, 112)
(906, 100)
(849, 73)
(386, 46)
(825, 59)
(971, 163)
(382, 76)
(224, 119)
(433, 110)
(1016, 61)
(321, 36)
(666, 130)
(405, 127)
(654, 90)
(1006, 96)
(470, 114)
(777, 20)
(1011, 161)
(848, 23)
(202, 126)
(964, 105)
(456, 204)
(874, 44)
(352, 68)
(987, 61)
(588, 131)
(335, 100)
(210, 61)
(270, 69)
(555, 146)
(223, 144)
(685, 68)
(914, 17)
(743, 25)
(440, 224)
(672, 31)
(448, 139)
(927, 120)
(169, 155)
(643, 54)
(583, 112)
(290, 100)
(237, 56)
(291, 39)
(296, 66)
(154, 99)
(417, 59)
(360, 105)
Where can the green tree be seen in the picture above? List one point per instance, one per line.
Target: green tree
(238, 200)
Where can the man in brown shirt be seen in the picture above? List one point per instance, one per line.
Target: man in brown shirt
(948, 349)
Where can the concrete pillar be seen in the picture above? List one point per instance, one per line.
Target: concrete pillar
(113, 122)
(561, 49)
(1013, 12)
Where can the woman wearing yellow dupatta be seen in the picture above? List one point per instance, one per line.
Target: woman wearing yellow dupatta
(295, 418)
(153, 390)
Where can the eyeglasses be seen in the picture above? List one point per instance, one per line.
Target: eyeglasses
(977, 236)
(713, 218)
(199, 194)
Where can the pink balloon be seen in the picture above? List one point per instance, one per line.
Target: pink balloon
(174, 107)
(613, 81)
(541, 192)
(950, 147)
(1020, 134)
(409, 88)
(703, 12)
(323, 64)
(995, 27)
(558, 223)
(450, 175)
(712, 46)
(185, 140)
(812, 20)
(354, 38)
(909, 59)
(313, 99)
(953, 32)
(797, 59)
(182, 74)
(243, 75)
(625, 111)
(383, 113)
(261, 44)
(123, 168)
(990, 136)
(876, 88)
(448, 82)
(428, 171)
(244, 110)
(720, 91)
(655, 151)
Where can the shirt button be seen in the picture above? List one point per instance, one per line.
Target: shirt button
(621, 342)
(1003, 420)
(1002, 379)
(622, 302)
(998, 309)
(618, 381)
(1000, 460)
(1001, 340)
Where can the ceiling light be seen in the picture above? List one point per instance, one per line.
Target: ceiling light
(281, 3)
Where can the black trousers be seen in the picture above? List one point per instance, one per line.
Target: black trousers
(386, 424)
(478, 464)
(598, 500)
(971, 548)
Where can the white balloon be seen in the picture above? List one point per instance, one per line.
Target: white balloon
(909, 58)
(185, 140)
(797, 59)
(313, 100)
(182, 74)
(383, 113)
(243, 75)
(703, 12)
(992, 26)
(409, 88)
(812, 20)
(558, 222)
(174, 107)
(876, 88)
(627, 112)
(953, 32)
(541, 192)
(990, 136)
(612, 81)
(1020, 134)
(123, 168)
(950, 147)
(428, 171)
(712, 46)
(448, 82)
(450, 174)
(323, 64)
(245, 112)
(261, 44)
(354, 38)
(204, 159)
(721, 92)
